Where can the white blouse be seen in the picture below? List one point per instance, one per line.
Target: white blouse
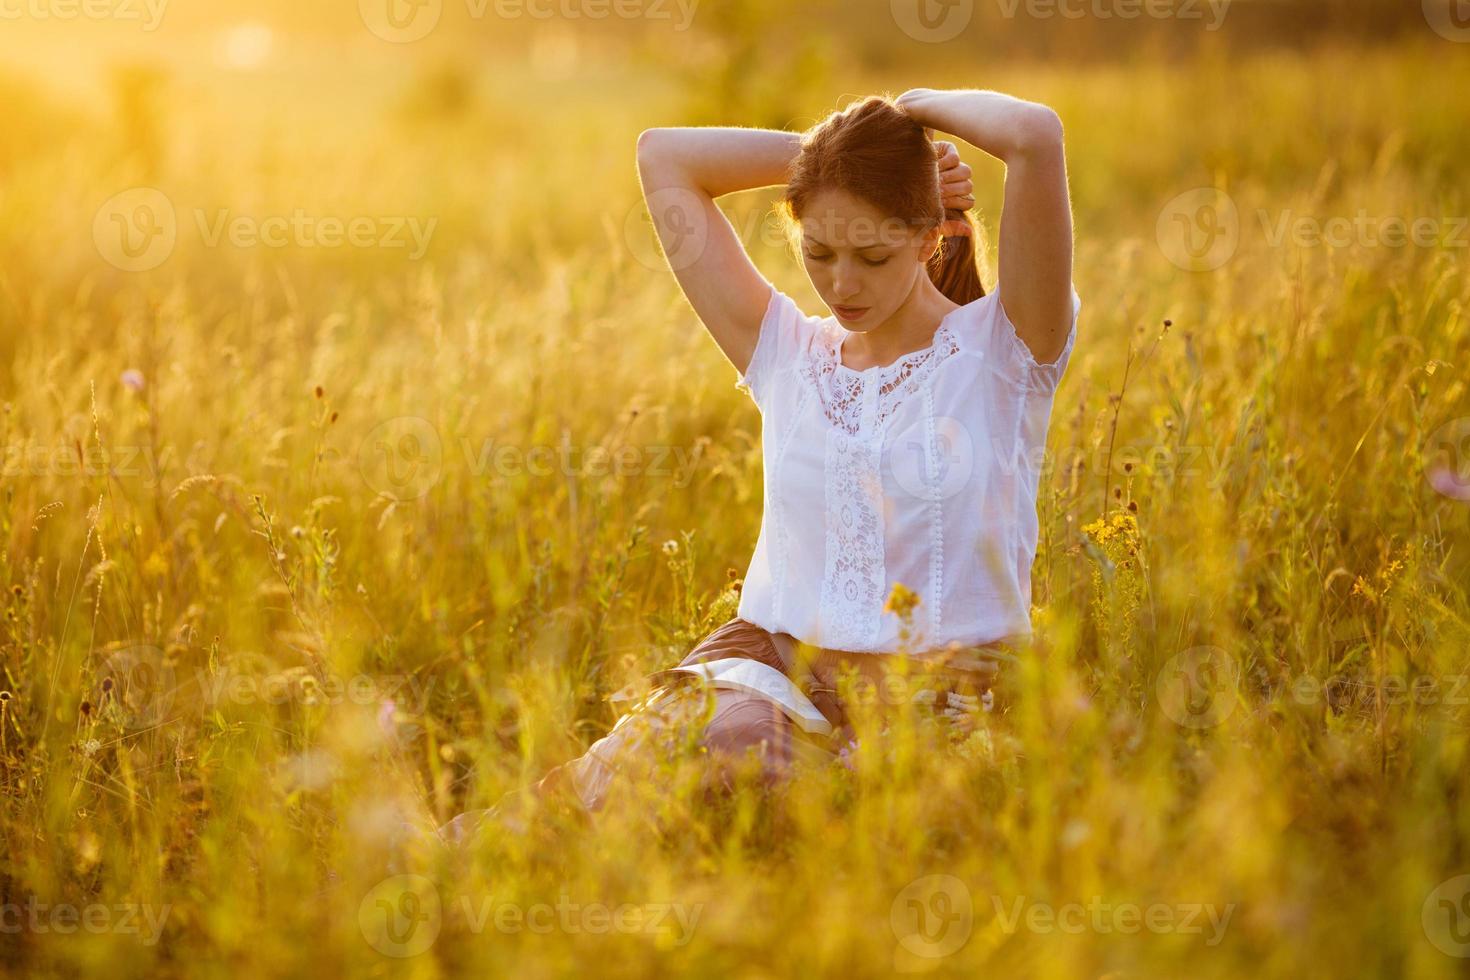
(922, 472)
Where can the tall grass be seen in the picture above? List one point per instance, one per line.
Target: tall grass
(291, 557)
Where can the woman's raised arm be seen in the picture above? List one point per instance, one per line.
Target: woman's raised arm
(682, 171)
(1035, 252)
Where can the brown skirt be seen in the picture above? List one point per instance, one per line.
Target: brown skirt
(759, 718)
(886, 680)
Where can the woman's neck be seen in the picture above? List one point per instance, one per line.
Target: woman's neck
(911, 328)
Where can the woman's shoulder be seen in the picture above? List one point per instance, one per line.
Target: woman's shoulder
(795, 326)
(983, 327)
(786, 333)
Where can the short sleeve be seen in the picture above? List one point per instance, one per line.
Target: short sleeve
(1013, 359)
(781, 335)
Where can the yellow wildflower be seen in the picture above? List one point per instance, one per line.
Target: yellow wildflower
(901, 601)
(1118, 594)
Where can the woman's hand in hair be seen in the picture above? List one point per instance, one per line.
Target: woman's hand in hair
(906, 101)
(957, 189)
(1034, 243)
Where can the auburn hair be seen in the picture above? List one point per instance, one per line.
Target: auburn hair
(875, 151)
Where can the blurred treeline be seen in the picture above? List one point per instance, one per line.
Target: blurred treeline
(738, 58)
(1076, 29)
(747, 59)
(338, 121)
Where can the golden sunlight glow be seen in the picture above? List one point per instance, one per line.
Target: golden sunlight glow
(245, 47)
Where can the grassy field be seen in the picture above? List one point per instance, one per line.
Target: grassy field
(304, 538)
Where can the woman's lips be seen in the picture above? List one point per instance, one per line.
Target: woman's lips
(851, 312)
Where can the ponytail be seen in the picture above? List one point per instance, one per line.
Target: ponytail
(953, 267)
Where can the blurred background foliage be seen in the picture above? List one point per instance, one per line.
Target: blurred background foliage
(192, 465)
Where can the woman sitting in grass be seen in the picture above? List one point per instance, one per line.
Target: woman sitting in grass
(902, 436)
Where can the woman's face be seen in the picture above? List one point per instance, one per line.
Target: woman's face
(862, 263)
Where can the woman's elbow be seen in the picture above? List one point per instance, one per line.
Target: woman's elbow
(649, 140)
(645, 142)
(1041, 129)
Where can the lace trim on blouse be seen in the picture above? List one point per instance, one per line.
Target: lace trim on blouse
(842, 390)
(857, 403)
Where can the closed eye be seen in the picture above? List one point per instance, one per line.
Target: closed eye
(828, 258)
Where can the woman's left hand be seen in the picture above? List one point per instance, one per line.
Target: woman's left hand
(957, 189)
